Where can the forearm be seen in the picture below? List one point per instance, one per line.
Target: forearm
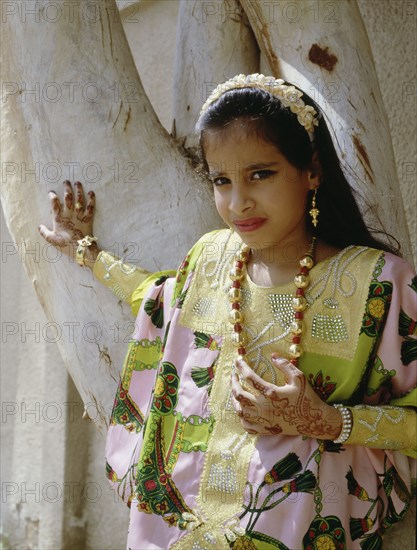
(384, 427)
(121, 278)
(90, 256)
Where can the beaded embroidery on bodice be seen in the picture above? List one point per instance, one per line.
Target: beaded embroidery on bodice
(333, 300)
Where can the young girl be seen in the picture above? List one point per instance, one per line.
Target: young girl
(267, 397)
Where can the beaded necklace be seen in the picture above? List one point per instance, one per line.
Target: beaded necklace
(299, 303)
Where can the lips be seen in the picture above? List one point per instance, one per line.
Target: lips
(250, 224)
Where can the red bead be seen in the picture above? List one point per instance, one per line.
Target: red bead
(236, 284)
(304, 271)
(239, 264)
(241, 351)
(299, 314)
(235, 305)
(296, 339)
(238, 327)
(299, 292)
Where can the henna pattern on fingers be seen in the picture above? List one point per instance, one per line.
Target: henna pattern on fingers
(69, 195)
(89, 209)
(245, 416)
(66, 227)
(274, 430)
(262, 388)
(69, 200)
(244, 401)
(79, 205)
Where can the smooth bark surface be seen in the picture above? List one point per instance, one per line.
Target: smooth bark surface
(214, 43)
(75, 109)
(323, 47)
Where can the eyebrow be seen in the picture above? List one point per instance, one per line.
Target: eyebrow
(261, 165)
(254, 166)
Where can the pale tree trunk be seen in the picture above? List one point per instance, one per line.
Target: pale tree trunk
(214, 42)
(101, 130)
(323, 47)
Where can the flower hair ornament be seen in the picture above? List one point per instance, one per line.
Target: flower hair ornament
(289, 96)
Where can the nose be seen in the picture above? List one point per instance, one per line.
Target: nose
(241, 200)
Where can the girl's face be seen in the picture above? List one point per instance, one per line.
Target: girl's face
(258, 193)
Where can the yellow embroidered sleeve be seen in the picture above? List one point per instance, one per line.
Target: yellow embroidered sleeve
(384, 427)
(121, 278)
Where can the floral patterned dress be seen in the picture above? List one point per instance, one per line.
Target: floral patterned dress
(177, 454)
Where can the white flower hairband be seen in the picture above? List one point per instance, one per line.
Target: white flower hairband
(289, 96)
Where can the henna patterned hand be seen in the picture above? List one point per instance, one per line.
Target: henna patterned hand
(292, 409)
(72, 221)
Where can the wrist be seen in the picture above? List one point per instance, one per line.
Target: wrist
(91, 254)
(333, 422)
(87, 251)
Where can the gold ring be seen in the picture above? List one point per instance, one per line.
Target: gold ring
(243, 384)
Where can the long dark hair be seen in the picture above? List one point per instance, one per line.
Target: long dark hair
(341, 223)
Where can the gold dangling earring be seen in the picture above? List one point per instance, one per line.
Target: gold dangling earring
(314, 211)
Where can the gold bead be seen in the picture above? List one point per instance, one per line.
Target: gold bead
(235, 294)
(236, 316)
(236, 274)
(243, 254)
(295, 350)
(239, 339)
(301, 281)
(307, 261)
(299, 303)
(297, 327)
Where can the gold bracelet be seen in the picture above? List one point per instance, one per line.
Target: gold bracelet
(81, 248)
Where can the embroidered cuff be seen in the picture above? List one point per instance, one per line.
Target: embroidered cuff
(384, 427)
(121, 278)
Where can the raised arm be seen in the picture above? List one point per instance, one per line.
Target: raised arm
(72, 222)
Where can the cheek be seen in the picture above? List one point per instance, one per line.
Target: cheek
(220, 202)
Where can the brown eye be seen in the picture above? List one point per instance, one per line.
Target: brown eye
(262, 174)
(220, 181)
